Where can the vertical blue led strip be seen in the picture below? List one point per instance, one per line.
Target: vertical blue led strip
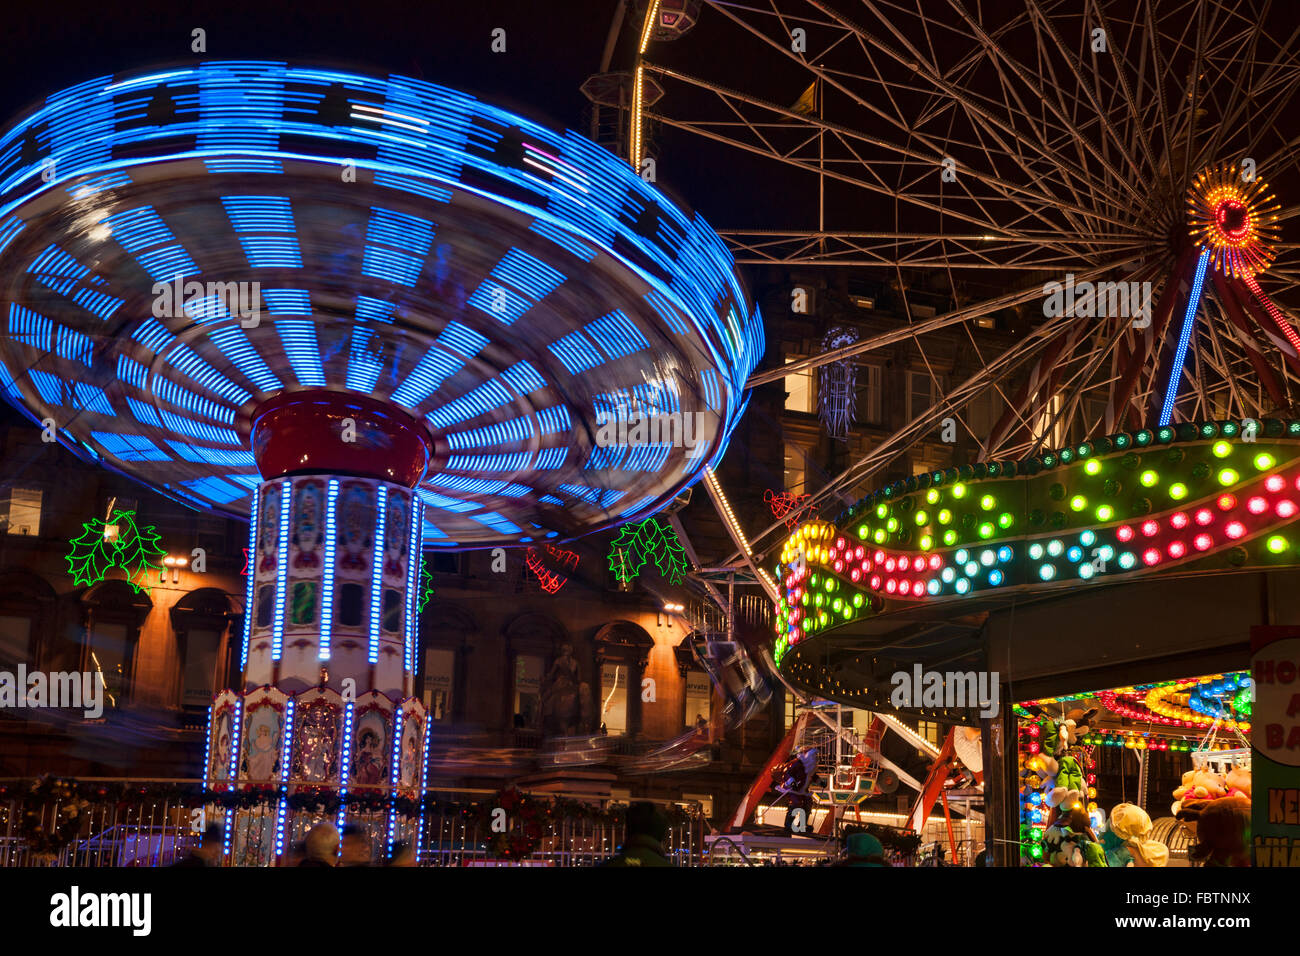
(327, 575)
(1189, 320)
(284, 779)
(414, 554)
(424, 783)
(395, 777)
(252, 577)
(345, 763)
(236, 733)
(377, 573)
(207, 750)
(281, 571)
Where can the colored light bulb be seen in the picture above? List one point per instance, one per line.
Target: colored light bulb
(1178, 491)
(1228, 477)
(1276, 544)
(1092, 467)
(1148, 478)
(1078, 503)
(1264, 461)
(1221, 449)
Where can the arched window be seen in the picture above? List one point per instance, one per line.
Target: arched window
(533, 641)
(27, 605)
(112, 615)
(201, 620)
(697, 700)
(445, 633)
(622, 649)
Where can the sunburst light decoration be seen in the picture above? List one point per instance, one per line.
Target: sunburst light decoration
(1235, 218)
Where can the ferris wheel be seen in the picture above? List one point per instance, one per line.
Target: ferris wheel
(1106, 170)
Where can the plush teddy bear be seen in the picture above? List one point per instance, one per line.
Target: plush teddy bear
(1238, 782)
(1208, 785)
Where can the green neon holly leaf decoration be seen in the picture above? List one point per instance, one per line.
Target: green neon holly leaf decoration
(92, 555)
(637, 543)
(426, 583)
(671, 558)
(135, 546)
(628, 551)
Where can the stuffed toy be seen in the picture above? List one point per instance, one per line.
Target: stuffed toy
(1094, 855)
(1222, 832)
(1182, 791)
(1131, 824)
(1050, 740)
(1238, 782)
(1076, 724)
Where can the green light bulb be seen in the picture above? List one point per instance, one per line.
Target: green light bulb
(927, 542)
(1221, 449)
(1078, 503)
(986, 530)
(863, 531)
(879, 536)
(1228, 477)
(1276, 544)
(1264, 461)
(881, 511)
(932, 496)
(1148, 478)
(1105, 513)
(1178, 491)
(987, 502)
(1093, 466)
(959, 490)
(945, 516)
(950, 537)
(922, 518)
(1004, 520)
(892, 525)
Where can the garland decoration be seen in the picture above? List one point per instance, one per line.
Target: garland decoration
(116, 543)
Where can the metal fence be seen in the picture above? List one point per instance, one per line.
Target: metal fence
(157, 831)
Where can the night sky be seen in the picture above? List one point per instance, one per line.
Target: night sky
(551, 48)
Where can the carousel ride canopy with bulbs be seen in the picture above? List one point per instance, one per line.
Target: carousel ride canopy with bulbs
(373, 316)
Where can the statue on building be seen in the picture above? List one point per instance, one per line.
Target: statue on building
(565, 706)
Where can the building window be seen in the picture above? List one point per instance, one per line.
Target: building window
(800, 392)
(1050, 426)
(983, 412)
(929, 730)
(922, 393)
(199, 676)
(22, 511)
(439, 682)
(528, 691)
(699, 692)
(613, 704)
(870, 404)
(789, 711)
(15, 642)
(705, 801)
(443, 563)
(796, 468)
(107, 656)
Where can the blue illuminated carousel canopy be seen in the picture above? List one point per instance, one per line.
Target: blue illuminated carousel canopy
(509, 286)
